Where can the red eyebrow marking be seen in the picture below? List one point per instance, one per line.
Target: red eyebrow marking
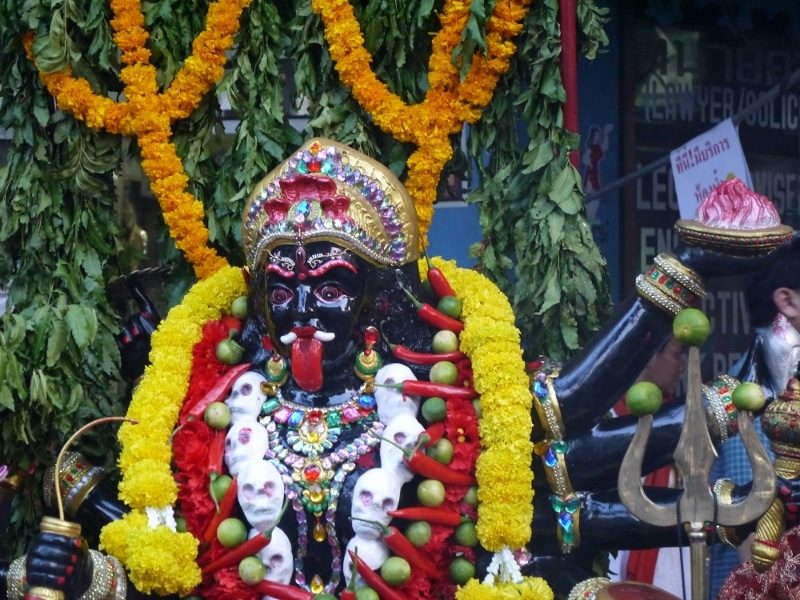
(338, 262)
(273, 268)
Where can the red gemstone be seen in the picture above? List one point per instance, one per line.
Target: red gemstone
(314, 416)
(312, 472)
(371, 335)
(314, 166)
(793, 423)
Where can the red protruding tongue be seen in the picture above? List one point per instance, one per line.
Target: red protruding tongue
(307, 363)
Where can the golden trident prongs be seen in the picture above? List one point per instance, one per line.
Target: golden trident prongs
(694, 457)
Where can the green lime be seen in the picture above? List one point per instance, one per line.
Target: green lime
(396, 571)
(461, 570)
(418, 533)
(748, 396)
(434, 409)
(466, 534)
(367, 593)
(691, 327)
(430, 493)
(643, 398)
(450, 305)
(445, 372)
(442, 451)
(471, 497)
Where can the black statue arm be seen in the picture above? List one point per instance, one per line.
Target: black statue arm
(607, 525)
(593, 459)
(604, 370)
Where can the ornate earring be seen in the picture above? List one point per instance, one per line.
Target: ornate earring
(368, 361)
(276, 369)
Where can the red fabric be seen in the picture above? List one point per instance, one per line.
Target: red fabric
(642, 563)
(780, 582)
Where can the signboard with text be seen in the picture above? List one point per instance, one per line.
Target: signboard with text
(687, 82)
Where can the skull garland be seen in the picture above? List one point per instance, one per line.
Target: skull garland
(277, 557)
(260, 493)
(246, 398)
(376, 492)
(391, 402)
(246, 440)
(404, 430)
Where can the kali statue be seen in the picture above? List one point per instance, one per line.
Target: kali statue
(360, 446)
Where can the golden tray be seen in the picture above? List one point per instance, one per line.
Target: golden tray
(736, 242)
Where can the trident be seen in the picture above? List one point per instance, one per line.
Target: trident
(694, 457)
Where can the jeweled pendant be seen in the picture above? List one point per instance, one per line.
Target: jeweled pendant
(316, 585)
(318, 532)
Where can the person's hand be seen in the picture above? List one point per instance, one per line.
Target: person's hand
(58, 562)
(709, 264)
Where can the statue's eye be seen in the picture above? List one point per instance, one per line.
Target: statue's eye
(279, 295)
(329, 293)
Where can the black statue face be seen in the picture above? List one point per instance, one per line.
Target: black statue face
(315, 299)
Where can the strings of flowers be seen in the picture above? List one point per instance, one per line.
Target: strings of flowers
(158, 558)
(149, 115)
(448, 103)
(505, 509)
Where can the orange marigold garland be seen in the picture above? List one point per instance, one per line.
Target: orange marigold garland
(448, 103)
(149, 114)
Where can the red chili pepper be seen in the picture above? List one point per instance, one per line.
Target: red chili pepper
(349, 593)
(282, 591)
(423, 358)
(402, 547)
(433, 316)
(437, 515)
(216, 393)
(424, 465)
(434, 432)
(248, 548)
(375, 581)
(216, 452)
(428, 389)
(235, 555)
(439, 284)
(225, 511)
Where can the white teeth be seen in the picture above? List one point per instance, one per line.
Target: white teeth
(288, 338)
(324, 336)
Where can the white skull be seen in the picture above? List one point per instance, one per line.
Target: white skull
(391, 402)
(403, 430)
(277, 557)
(247, 439)
(376, 492)
(246, 398)
(260, 493)
(371, 551)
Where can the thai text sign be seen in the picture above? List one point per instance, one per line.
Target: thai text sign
(703, 163)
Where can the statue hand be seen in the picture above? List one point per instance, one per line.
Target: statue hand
(58, 562)
(134, 339)
(711, 264)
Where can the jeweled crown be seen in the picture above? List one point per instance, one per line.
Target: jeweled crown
(327, 191)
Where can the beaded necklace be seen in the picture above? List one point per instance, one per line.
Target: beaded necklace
(301, 445)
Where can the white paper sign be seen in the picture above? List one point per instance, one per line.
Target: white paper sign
(702, 164)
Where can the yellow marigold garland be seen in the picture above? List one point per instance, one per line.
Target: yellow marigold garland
(448, 103)
(160, 559)
(149, 115)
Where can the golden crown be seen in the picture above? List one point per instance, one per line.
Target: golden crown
(327, 191)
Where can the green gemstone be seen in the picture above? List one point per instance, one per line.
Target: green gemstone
(568, 537)
(271, 406)
(559, 446)
(334, 418)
